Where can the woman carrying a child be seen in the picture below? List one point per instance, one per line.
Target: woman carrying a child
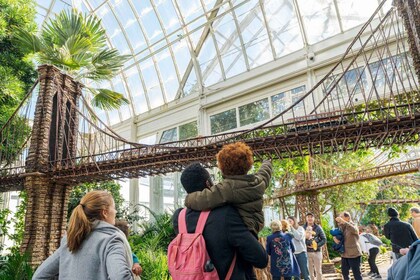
(280, 248)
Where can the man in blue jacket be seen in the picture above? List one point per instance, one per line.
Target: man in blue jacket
(225, 233)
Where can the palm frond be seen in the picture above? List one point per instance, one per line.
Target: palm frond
(28, 42)
(106, 99)
(106, 64)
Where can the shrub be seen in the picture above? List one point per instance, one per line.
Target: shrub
(16, 267)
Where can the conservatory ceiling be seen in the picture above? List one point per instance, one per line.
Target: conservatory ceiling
(179, 47)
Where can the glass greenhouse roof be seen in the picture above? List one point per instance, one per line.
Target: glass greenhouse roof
(180, 47)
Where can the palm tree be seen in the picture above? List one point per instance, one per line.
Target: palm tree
(76, 44)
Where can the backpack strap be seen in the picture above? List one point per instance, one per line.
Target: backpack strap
(182, 224)
(202, 221)
(232, 266)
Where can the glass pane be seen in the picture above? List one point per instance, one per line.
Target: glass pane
(118, 85)
(149, 20)
(182, 56)
(149, 140)
(44, 3)
(228, 42)
(137, 91)
(297, 93)
(283, 26)
(127, 18)
(255, 36)
(351, 13)
(169, 135)
(188, 130)
(95, 3)
(383, 72)
(223, 121)
(59, 6)
(254, 112)
(152, 83)
(209, 4)
(191, 86)
(194, 19)
(278, 103)
(168, 15)
(114, 117)
(209, 64)
(168, 74)
(113, 29)
(319, 19)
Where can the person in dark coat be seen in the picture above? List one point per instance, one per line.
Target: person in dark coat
(400, 233)
(280, 248)
(245, 191)
(225, 233)
(315, 254)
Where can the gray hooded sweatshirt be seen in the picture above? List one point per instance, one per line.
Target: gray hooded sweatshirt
(102, 256)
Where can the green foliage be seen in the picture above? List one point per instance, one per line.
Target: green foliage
(17, 73)
(114, 188)
(325, 221)
(16, 267)
(17, 221)
(283, 170)
(347, 196)
(76, 43)
(154, 264)
(152, 243)
(266, 231)
(377, 213)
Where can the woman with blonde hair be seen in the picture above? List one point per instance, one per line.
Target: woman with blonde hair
(280, 248)
(93, 248)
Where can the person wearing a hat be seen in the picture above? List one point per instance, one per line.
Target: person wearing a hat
(400, 233)
(315, 254)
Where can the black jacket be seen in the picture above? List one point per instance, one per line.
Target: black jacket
(319, 238)
(225, 233)
(400, 233)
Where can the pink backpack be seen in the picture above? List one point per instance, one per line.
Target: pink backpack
(187, 254)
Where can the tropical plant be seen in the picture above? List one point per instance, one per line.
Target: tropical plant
(112, 187)
(151, 244)
(157, 232)
(154, 263)
(16, 267)
(17, 73)
(76, 44)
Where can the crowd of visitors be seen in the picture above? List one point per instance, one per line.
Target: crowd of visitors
(228, 216)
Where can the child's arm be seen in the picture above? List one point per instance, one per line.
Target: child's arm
(213, 197)
(265, 172)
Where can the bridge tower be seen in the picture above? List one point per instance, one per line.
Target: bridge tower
(53, 141)
(409, 10)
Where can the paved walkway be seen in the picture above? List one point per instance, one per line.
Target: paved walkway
(383, 269)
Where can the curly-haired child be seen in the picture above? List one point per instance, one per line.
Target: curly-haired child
(244, 191)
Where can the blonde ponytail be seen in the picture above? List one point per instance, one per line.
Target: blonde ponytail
(88, 211)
